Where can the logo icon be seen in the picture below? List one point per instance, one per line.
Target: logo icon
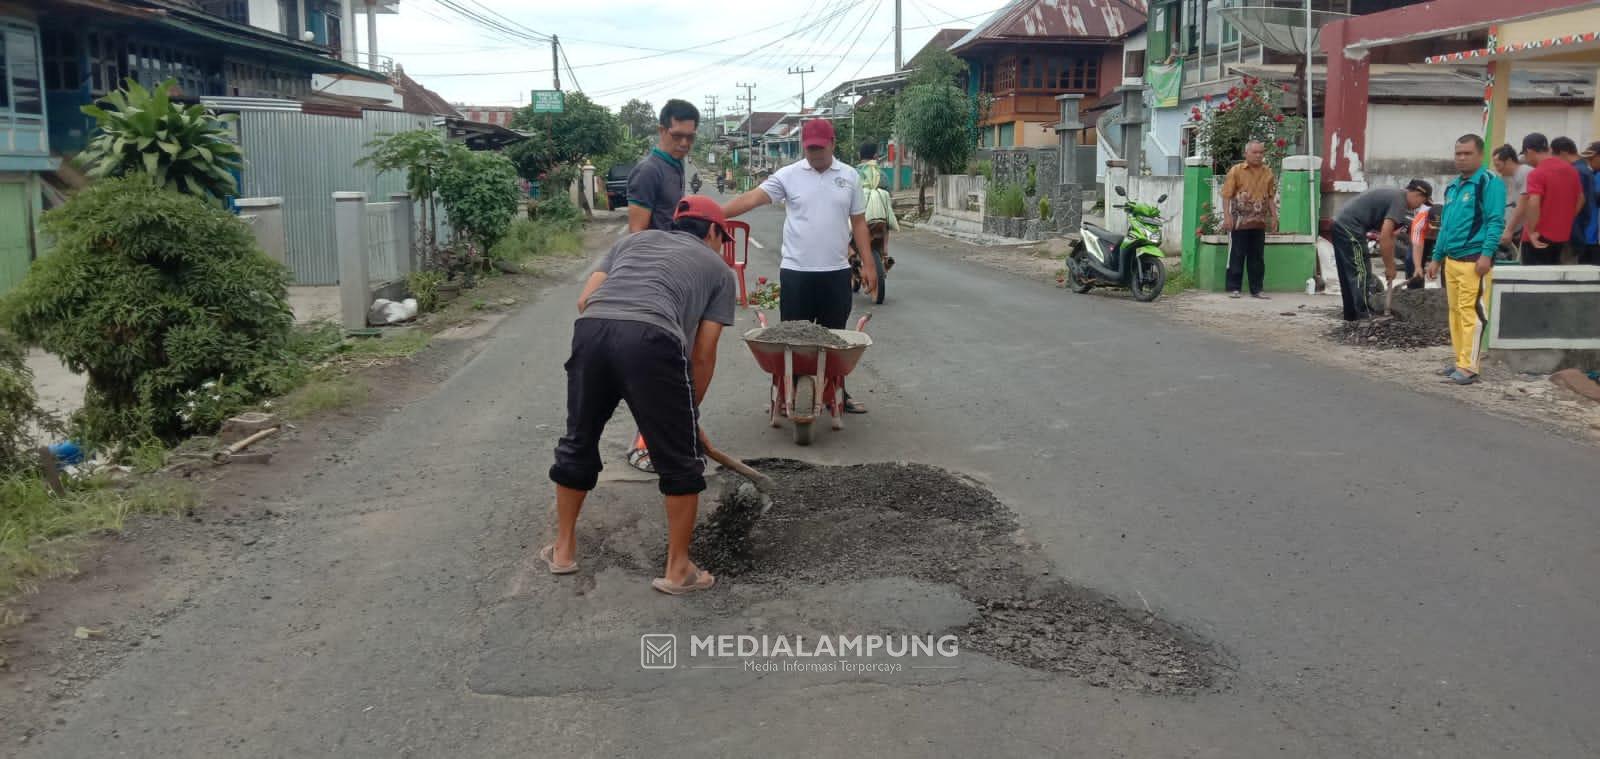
(658, 651)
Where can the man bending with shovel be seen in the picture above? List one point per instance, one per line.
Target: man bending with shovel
(647, 330)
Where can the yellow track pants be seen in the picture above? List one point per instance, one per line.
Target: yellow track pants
(1469, 311)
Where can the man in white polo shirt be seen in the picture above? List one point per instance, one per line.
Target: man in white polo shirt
(824, 208)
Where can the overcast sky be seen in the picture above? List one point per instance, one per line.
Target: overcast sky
(734, 41)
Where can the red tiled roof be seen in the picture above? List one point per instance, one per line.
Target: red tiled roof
(1092, 20)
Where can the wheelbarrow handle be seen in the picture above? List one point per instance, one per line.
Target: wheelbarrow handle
(761, 318)
(861, 326)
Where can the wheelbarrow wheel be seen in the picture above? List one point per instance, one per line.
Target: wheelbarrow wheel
(805, 403)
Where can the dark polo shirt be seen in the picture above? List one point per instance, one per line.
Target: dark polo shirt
(656, 183)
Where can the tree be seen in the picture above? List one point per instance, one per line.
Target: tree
(422, 155)
(873, 121)
(935, 120)
(584, 129)
(639, 118)
(1248, 112)
(139, 131)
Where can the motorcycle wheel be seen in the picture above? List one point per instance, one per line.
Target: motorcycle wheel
(1080, 283)
(883, 279)
(1148, 279)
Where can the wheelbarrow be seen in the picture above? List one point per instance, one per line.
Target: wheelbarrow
(807, 379)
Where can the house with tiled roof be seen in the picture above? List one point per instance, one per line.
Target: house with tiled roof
(1030, 51)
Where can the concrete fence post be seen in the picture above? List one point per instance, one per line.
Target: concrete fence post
(1196, 194)
(350, 233)
(405, 233)
(266, 221)
(588, 184)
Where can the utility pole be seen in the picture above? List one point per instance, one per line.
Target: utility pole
(899, 63)
(555, 58)
(749, 122)
(802, 72)
(711, 107)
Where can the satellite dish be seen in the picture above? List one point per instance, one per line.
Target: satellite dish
(1281, 29)
(308, 36)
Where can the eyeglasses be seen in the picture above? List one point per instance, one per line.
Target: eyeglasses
(681, 136)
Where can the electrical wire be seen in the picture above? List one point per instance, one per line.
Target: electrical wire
(718, 64)
(562, 49)
(634, 59)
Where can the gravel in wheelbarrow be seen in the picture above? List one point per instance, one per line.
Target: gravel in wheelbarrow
(801, 333)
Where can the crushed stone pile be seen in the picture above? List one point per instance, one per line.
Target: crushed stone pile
(833, 524)
(1390, 333)
(802, 333)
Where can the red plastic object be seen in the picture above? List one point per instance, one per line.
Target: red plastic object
(738, 256)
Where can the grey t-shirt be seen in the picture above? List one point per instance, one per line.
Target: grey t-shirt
(656, 183)
(668, 279)
(1367, 212)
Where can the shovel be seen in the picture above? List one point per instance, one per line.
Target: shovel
(763, 484)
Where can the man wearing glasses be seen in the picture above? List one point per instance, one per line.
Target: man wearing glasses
(656, 183)
(654, 188)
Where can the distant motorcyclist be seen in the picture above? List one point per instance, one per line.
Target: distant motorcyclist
(694, 183)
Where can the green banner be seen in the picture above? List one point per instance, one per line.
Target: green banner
(1166, 82)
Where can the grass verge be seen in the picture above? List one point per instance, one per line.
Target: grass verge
(41, 533)
(327, 390)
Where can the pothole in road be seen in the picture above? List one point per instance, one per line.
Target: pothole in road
(833, 525)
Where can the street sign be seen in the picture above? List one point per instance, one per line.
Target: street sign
(549, 101)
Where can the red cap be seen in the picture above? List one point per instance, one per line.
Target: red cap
(704, 208)
(817, 133)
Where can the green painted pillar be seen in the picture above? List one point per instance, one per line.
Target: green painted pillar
(1196, 193)
(1300, 191)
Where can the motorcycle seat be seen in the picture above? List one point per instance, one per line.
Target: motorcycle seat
(1101, 232)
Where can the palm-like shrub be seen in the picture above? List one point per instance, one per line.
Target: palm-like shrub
(183, 148)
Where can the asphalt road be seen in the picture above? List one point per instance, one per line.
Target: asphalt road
(1391, 574)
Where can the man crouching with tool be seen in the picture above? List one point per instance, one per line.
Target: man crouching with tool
(647, 330)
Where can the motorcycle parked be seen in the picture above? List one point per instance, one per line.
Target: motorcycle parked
(1102, 258)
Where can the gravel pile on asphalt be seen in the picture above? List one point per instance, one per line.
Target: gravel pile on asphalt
(1390, 333)
(1416, 319)
(802, 333)
(830, 525)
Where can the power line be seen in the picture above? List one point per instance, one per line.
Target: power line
(633, 59)
(508, 20)
(570, 75)
(721, 63)
(853, 43)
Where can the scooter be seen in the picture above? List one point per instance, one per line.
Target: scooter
(721, 184)
(694, 185)
(1102, 258)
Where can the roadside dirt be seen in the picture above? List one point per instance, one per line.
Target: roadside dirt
(131, 584)
(828, 524)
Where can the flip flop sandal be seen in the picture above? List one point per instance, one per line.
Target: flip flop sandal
(853, 406)
(698, 580)
(548, 554)
(639, 458)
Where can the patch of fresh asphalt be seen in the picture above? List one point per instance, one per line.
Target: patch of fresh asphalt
(1392, 574)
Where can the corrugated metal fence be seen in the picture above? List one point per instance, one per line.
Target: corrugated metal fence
(304, 159)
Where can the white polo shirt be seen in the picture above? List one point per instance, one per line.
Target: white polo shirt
(816, 226)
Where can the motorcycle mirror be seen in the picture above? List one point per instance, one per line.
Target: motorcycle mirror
(1122, 192)
(1161, 199)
